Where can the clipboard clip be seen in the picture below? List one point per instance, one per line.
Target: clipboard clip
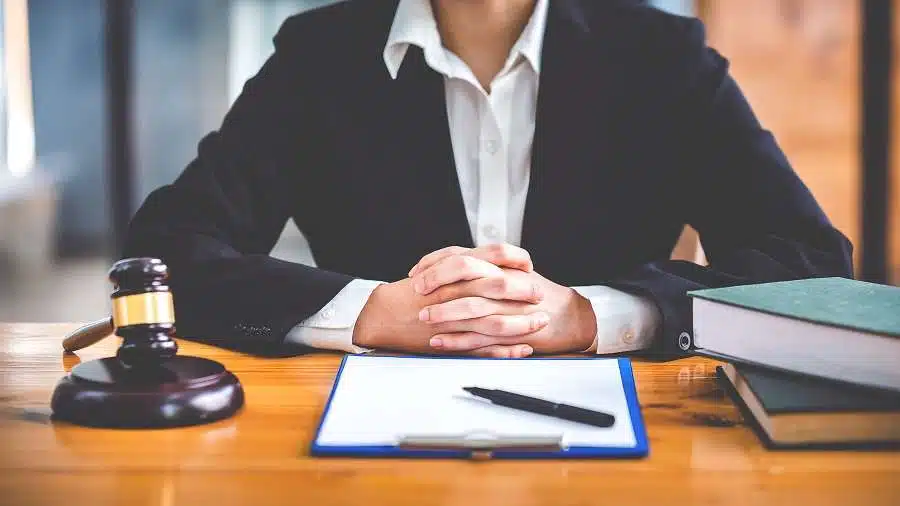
(482, 445)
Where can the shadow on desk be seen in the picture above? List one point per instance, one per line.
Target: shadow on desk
(254, 349)
(290, 350)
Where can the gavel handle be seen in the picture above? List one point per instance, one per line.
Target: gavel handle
(88, 334)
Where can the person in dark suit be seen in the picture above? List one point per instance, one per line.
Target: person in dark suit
(494, 178)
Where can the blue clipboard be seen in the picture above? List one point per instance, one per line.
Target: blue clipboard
(639, 450)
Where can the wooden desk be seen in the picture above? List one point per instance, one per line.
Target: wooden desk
(700, 453)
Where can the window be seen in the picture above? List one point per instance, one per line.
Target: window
(16, 106)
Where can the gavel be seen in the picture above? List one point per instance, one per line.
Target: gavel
(142, 309)
(147, 384)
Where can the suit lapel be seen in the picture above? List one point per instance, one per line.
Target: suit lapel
(424, 131)
(401, 174)
(405, 122)
(571, 171)
(572, 164)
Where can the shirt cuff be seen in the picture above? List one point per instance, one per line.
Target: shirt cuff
(625, 322)
(332, 327)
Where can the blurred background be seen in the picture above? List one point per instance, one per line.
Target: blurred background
(103, 101)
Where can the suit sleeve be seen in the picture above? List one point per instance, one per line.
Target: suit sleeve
(756, 219)
(216, 224)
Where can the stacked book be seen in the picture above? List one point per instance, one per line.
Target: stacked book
(811, 363)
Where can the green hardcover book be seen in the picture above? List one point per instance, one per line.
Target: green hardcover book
(799, 411)
(834, 328)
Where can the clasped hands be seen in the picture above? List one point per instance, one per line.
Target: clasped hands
(486, 301)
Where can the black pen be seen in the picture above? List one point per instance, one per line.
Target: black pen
(540, 406)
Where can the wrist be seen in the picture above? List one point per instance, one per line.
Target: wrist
(586, 329)
(363, 331)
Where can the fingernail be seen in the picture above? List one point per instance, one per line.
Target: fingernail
(420, 286)
(411, 271)
(527, 350)
(436, 342)
(424, 315)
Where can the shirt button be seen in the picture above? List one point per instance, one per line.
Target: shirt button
(628, 337)
(491, 147)
(491, 232)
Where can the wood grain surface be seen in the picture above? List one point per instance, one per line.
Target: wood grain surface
(700, 450)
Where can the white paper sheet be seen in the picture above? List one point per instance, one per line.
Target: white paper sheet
(379, 400)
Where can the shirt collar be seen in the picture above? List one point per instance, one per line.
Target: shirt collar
(414, 24)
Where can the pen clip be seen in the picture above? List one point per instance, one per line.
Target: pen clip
(481, 444)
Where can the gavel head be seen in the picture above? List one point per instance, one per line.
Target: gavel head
(143, 312)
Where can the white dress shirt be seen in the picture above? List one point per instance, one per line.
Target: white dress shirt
(492, 136)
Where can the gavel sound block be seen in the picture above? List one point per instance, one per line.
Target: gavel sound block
(146, 384)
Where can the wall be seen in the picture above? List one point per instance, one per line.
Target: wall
(680, 7)
(252, 25)
(181, 85)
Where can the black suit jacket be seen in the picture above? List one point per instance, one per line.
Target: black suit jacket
(640, 130)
